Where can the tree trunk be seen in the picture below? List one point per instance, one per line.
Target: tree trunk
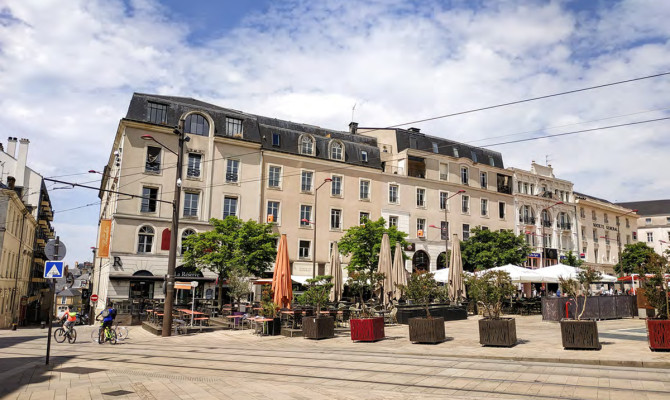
(220, 293)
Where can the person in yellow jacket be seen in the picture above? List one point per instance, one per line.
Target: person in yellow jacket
(71, 317)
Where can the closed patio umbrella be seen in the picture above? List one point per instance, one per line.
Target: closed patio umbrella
(399, 271)
(336, 272)
(384, 267)
(456, 286)
(281, 278)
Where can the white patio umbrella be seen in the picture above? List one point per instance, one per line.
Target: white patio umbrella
(399, 271)
(456, 286)
(336, 272)
(442, 275)
(384, 267)
(518, 274)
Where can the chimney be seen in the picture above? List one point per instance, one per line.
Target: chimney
(11, 182)
(21, 161)
(2, 148)
(11, 146)
(353, 126)
(415, 130)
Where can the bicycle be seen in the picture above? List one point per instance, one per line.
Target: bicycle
(100, 336)
(121, 332)
(61, 334)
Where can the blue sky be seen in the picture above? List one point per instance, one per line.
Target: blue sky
(68, 70)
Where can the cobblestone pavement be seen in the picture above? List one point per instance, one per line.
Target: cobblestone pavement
(239, 365)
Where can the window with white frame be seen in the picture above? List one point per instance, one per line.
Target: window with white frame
(444, 230)
(149, 199)
(335, 219)
(145, 239)
(455, 150)
(650, 237)
(647, 221)
(158, 113)
(305, 215)
(153, 163)
(191, 200)
(420, 227)
(336, 150)
(196, 124)
(364, 156)
(306, 181)
(184, 235)
(420, 197)
(473, 155)
(336, 185)
(193, 169)
(444, 172)
(443, 200)
(464, 175)
(393, 194)
(465, 204)
(435, 148)
(232, 170)
(364, 190)
(393, 221)
(233, 126)
(484, 207)
(304, 247)
(606, 218)
(483, 180)
(466, 231)
(582, 212)
(276, 139)
(229, 206)
(501, 210)
(363, 216)
(273, 211)
(306, 145)
(274, 176)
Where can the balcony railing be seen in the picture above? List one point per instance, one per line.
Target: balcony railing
(505, 189)
(566, 226)
(546, 223)
(527, 220)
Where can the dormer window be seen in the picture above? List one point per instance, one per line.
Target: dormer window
(364, 156)
(196, 124)
(233, 127)
(492, 161)
(158, 113)
(435, 148)
(336, 150)
(456, 152)
(276, 140)
(306, 144)
(474, 156)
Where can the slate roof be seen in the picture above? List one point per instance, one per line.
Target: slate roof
(259, 129)
(594, 198)
(446, 147)
(649, 207)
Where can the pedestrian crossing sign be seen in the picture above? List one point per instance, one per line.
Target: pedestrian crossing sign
(53, 269)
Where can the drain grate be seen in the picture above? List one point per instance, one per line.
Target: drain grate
(79, 370)
(118, 393)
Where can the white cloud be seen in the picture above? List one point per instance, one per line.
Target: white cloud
(68, 69)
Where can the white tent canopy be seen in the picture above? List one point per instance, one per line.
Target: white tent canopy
(552, 273)
(518, 274)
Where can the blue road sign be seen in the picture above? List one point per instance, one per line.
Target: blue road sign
(53, 269)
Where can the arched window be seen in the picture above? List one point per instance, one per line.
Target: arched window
(306, 145)
(184, 235)
(196, 124)
(420, 261)
(526, 215)
(546, 219)
(145, 239)
(564, 221)
(442, 260)
(336, 150)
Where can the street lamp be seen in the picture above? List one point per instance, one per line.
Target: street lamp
(542, 223)
(316, 193)
(446, 225)
(172, 255)
(91, 309)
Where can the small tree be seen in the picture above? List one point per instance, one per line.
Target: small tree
(238, 285)
(571, 287)
(422, 288)
(572, 260)
(632, 257)
(489, 289)
(655, 284)
(268, 306)
(360, 282)
(317, 293)
(487, 249)
(363, 242)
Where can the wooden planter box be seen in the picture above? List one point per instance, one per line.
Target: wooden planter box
(367, 329)
(426, 330)
(580, 335)
(318, 328)
(658, 333)
(497, 332)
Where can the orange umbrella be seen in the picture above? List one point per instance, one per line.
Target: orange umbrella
(281, 278)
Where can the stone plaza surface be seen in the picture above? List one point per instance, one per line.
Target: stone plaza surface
(240, 365)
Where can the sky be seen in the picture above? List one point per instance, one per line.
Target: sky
(68, 71)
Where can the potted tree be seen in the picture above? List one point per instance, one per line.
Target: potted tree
(489, 289)
(576, 333)
(367, 327)
(319, 326)
(238, 285)
(270, 310)
(422, 289)
(655, 284)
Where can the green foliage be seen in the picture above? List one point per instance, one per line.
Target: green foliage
(362, 281)
(654, 284)
(318, 292)
(232, 245)
(490, 288)
(268, 308)
(443, 294)
(362, 244)
(632, 257)
(239, 285)
(487, 249)
(572, 260)
(422, 288)
(571, 287)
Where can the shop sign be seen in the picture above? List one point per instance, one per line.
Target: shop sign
(534, 255)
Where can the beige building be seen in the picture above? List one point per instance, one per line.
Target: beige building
(545, 214)
(653, 223)
(17, 232)
(604, 228)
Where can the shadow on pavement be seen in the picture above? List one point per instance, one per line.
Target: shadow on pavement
(9, 341)
(34, 374)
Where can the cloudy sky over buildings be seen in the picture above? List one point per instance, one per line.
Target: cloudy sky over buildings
(68, 70)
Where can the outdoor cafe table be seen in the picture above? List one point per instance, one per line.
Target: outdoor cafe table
(263, 321)
(192, 313)
(234, 318)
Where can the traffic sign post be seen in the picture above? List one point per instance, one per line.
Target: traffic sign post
(94, 298)
(194, 284)
(55, 251)
(54, 269)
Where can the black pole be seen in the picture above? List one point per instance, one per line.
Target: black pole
(53, 302)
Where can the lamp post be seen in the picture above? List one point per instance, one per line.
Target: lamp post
(446, 225)
(542, 223)
(172, 255)
(316, 193)
(91, 308)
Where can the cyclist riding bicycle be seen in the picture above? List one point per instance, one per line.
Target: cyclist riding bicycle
(71, 317)
(108, 315)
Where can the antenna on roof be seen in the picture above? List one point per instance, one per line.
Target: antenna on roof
(546, 160)
(353, 109)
